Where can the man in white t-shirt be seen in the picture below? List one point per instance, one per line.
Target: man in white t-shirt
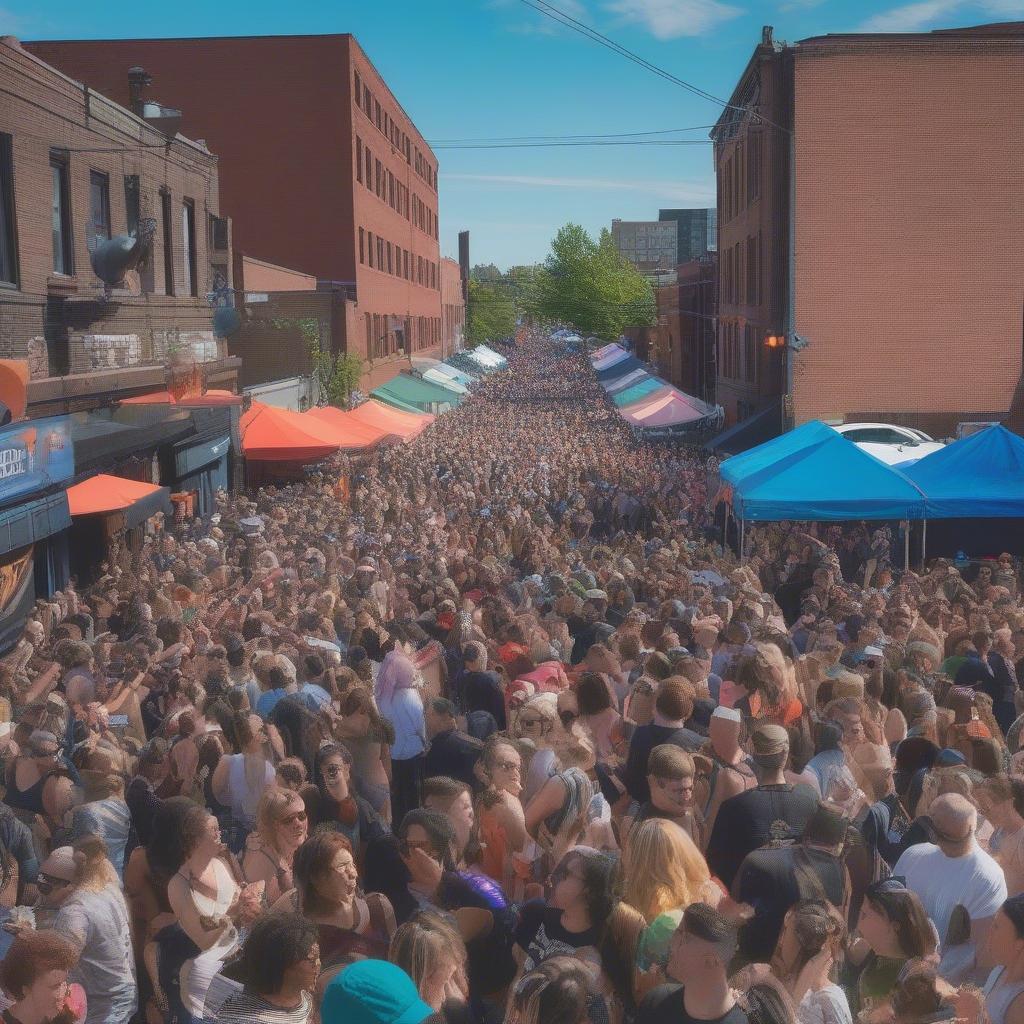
(954, 871)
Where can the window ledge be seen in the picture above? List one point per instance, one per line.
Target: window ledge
(62, 283)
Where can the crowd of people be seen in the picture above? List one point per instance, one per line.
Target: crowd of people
(501, 731)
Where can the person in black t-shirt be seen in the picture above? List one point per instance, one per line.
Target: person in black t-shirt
(699, 956)
(773, 880)
(775, 810)
(452, 752)
(672, 707)
(480, 689)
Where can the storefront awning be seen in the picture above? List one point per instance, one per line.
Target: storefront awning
(104, 493)
(33, 521)
(270, 434)
(406, 425)
(355, 433)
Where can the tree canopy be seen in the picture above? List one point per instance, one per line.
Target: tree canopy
(591, 285)
(490, 313)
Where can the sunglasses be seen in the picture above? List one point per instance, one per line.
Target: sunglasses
(47, 883)
(332, 771)
(292, 819)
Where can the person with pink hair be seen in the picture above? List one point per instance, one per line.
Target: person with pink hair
(399, 701)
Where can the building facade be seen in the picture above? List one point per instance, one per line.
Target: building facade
(650, 245)
(751, 163)
(893, 251)
(453, 307)
(698, 232)
(76, 170)
(322, 169)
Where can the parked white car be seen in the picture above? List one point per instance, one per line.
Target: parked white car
(889, 443)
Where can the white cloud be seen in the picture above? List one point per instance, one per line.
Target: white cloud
(670, 19)
(681, 191)
(926, 14)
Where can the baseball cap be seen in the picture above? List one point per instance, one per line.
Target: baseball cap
(373, 992)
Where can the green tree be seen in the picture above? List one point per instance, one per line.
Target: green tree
(490, 313)
(485, 273)
(590, 285)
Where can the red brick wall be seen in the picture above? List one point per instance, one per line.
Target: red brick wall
(260, 276)
(752, 171)
(281, 114)
(453, 306)
(909, 228)
(45, 110)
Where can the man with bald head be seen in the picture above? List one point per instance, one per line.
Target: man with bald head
(952, 871)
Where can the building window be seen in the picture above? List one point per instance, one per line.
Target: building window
(359, 160)
(63, 258)
(378, 169)
(358, 91)
(380, 253)
(405, 257)
(8, 236)
(188, 244)
(167, 229)
(99, 208)
(362, 244)
(369, 255)
(752, 271)
(391, 266)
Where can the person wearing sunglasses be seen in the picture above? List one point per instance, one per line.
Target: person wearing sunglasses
(281, 828)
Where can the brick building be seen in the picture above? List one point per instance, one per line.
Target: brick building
(322, 170)
(685, 349)
(75, 170)
(751, 163)
(907, 219)
(453, 307)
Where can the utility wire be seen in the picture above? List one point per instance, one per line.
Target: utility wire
(548, 145)
(562, 138)
(566, 20)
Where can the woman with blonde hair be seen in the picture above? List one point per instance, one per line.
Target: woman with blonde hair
(432, 953)
(663, 874)
(281, 828)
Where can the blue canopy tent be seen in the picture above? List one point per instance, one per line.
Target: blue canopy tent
(813, 474)
(978, 482)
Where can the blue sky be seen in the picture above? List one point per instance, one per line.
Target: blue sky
(481, 69)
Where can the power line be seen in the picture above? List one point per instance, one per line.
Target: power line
(559, 138)
(548, 145)
(566, 20)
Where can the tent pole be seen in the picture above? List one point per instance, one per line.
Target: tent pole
(725, 528)
(906, 546)
(924, 543)
(743, 538)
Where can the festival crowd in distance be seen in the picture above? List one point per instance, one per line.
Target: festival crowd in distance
(507, 735)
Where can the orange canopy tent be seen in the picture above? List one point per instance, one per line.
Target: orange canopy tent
(152, 398)
(105, 493)
(406, 425)
(359, 435)
(270, 434)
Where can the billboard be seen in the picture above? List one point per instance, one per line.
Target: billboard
(35, 454)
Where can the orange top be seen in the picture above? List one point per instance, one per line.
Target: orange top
(272, 434)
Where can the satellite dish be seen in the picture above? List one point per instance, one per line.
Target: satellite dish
(226, 321)
(13, 383)
(114, 257)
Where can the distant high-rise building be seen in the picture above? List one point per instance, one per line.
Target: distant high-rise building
(649, 245)
(698, 231)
